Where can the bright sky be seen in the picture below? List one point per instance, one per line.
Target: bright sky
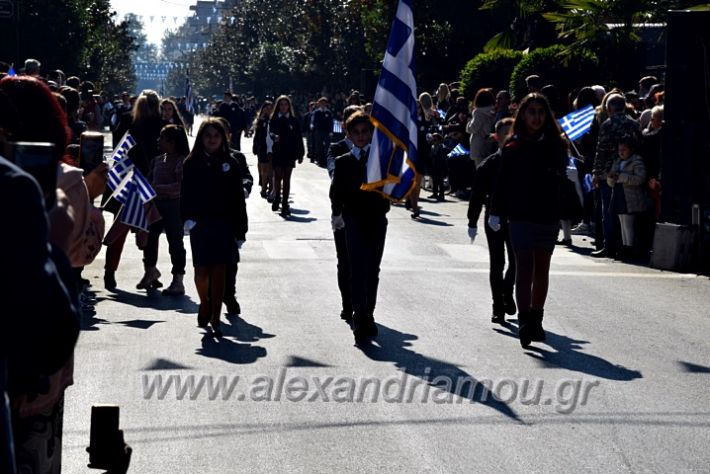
(162, 11)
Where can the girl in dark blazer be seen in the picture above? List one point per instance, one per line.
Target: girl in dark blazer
(527, 194)
(214, 209)
(286, 147)
(261, 131)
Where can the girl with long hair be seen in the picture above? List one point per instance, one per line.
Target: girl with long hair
(286, 148)
(214, 209)
(261, 131)
(527, 194)
(170, 114)
(166, 178)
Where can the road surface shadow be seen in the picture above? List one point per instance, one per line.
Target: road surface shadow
(567, 354)
(394, 347)
(155, 300)
(227, 349)
(426, 220)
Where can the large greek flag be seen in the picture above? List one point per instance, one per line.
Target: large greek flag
(578, 122)
(390, 165)
(129, 186)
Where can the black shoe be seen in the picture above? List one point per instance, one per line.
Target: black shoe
(371, 328)
(275, 205)
(407, 205)
(441, 199)
(537, 333)
(415, 214)
(601, 253)
(524, 329)
(263, 194)
(498, 316)
(109, 281)
(216, 330)
(347, 316)
(509, 305)
(566, 242)
(285, 210)
(233, 307)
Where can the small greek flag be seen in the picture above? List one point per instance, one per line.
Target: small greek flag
(460, 150)
(578, 122)
(129, 186)
(442, 114)
(337, 127)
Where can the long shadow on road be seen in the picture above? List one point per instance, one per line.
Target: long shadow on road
(566, 354)
(228, 349)
(394, 347)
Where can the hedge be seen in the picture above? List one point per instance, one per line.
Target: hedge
(492, 69)
(554, 65)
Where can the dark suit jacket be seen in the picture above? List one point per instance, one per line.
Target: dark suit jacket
(346, 197)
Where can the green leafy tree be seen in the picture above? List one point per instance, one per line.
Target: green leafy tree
(489, 70)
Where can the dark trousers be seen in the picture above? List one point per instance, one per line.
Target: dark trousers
(114, 251)
(610, 221)
(499, 247)
(321, 143)
(230, 282)
(341, 251)
(365, 241)
(171, 223)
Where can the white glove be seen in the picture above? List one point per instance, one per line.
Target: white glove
(189, 225)
(337, 222)
(494, 223)
(246, 193)
(239, 243)
(472, 232)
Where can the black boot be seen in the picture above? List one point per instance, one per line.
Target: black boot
(498, 314)
(524, 328)
(110, 280)
(537, 333)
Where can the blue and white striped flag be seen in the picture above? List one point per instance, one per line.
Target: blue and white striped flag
(578, 122)
(337, 127)
(459, 150)
(129, 186)
(442, 114)
(390, 165)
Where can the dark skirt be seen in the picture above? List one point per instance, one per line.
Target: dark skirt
(213, 243)
(533, 236)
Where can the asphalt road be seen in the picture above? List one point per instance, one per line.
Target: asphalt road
(623, 377)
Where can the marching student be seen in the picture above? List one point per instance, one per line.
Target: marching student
(166, 178)
(214, 210)
(334, 151)
(286, 146)
(527, 194)
(499, 246)
(363, 216)
(230, 283)
(261, 130)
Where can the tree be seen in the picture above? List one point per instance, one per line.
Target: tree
(81, 37)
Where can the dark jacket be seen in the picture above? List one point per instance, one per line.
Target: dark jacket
(247, 178)
(346, 197)
(323, 120)
(261, 129)
(529, 181)
(39, 322)
(289, 147)
(483, 185)
(212, 190)
(335, 150)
